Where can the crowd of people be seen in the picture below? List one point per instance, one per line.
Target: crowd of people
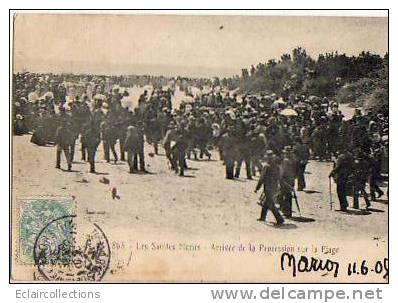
(274, 137)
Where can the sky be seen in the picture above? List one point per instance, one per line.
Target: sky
(173, 45)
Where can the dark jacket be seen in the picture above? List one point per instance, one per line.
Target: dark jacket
(269, 177)
(63, 136)
(134, 140)
(288, 171)
(90, 136)
(342, 168)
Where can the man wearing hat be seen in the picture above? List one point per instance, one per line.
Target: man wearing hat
(227, 143)
(152, 127)
(178, 151)
(360, 173)
(375, 173)
(258, 144)
(100, 114)
(60, 94)
(116, 97)
(63, 139)
(335, 119)
(243, 148)
(134, 145)
(202, 134)
(169, 137)
(340, 173)
(90, 140)
(109, 138)
(19, 125)
(269, 179)
(143, 98)
(319, 142)
(288, 176)
(302, 153)
(81, 114)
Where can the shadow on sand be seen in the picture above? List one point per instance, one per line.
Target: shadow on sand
(311, 191)
(235, 179)
(375, 210)
(302, 219)
(187, 176)
(192, 168)
(70, 171)
(355, 212)
(281, 226)
(138, 172)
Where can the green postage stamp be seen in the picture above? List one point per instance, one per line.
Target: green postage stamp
(34, 214)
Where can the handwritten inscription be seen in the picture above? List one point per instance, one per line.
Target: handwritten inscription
(304, 264)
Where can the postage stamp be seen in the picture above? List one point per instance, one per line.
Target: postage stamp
(34, 215)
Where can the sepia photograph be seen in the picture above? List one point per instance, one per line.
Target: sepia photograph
(201, 147)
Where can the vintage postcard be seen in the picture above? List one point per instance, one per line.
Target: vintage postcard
(186, 147)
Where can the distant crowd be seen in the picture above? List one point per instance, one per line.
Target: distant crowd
(274, 137)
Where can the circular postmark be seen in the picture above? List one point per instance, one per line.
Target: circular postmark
(64, 253)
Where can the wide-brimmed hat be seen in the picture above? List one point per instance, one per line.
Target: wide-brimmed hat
(269, 153)
(287, 149)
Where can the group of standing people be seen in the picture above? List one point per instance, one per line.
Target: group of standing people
(273, 137)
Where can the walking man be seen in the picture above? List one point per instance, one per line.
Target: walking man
(63, 140)
(288, 175)
(134, 145)
(302, 154)
(340, 173)
(360, 174)
(91, 139)
(178, 151)
(269, 179)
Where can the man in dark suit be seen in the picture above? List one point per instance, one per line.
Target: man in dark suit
(340, 173)
(269, 179)
(91, 139)
(288, 176)
(302, 153)
(178, 151)
(134, 145)
(64, 139)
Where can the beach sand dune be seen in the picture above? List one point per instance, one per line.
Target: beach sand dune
(201, 203)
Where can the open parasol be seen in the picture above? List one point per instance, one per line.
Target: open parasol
(289, 112)
(49, 95)
(33, 96)
(99, 97)
(278, 103)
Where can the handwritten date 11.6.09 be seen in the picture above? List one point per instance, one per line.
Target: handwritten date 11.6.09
(362, 268)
